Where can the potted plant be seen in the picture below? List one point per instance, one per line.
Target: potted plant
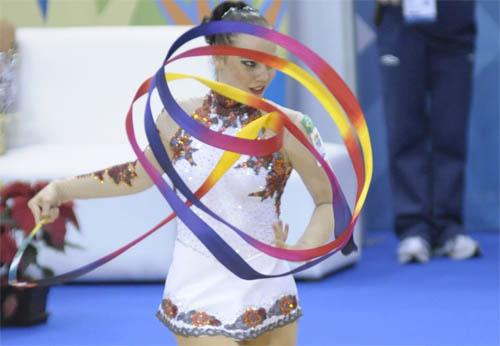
(26, 305)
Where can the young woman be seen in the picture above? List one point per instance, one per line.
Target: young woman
(204, 303)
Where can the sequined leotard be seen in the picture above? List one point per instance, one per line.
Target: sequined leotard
(201, 296)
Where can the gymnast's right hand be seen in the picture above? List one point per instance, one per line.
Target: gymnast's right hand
(45, 204)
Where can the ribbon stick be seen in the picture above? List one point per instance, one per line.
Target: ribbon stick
(16, 261)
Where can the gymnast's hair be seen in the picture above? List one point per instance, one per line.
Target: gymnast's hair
(237, 11)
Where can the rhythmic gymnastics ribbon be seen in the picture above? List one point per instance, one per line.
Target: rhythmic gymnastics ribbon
(333, 94)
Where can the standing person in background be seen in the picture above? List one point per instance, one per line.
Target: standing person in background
(426, 50)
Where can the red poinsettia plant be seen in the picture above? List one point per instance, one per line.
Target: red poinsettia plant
(17, 221)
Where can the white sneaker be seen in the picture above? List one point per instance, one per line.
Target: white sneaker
(414, 249)
(459, 247)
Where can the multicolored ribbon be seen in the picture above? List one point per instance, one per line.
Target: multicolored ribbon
(346, 113)
(16, 261)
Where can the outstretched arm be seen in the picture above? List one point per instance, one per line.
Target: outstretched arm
(124, 179)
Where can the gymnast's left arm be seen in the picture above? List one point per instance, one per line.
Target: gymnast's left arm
(321, 224)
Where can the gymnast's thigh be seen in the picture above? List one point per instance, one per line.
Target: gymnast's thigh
(282, 336)
(205, 341)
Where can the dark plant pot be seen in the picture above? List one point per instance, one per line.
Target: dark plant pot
(23, 306)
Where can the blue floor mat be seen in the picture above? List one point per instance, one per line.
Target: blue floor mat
(376, 302)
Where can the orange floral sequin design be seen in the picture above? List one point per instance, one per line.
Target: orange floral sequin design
(277, 176)
(229, 113)
(124, 173)
(201, 318)
(204, 118)
(217, 113)
(169, 309)
(256, 163)
(254, 317)
(250, 320)
(181, 145)
(287, 304)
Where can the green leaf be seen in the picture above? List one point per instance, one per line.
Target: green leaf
(48, 241)
(73, 245)
(47, 272)
(6, 219)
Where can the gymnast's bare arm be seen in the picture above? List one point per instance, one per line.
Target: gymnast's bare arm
(320, 226)
(124, 179)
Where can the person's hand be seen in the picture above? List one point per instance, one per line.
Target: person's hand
(280, 234)
(45, 204)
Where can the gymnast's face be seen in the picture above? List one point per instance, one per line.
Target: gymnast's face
(243, 73)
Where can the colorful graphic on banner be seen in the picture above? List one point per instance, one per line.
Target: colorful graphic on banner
(131, 12)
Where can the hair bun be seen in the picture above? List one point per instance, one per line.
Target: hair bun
(225, 6)
(208, 38)
(235, 11)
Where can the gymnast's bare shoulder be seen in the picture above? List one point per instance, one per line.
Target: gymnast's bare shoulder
(168, 127)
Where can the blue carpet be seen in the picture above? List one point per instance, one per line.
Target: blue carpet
(377, 302)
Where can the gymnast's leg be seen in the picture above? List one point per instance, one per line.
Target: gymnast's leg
(205, 341)
(282, 336)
